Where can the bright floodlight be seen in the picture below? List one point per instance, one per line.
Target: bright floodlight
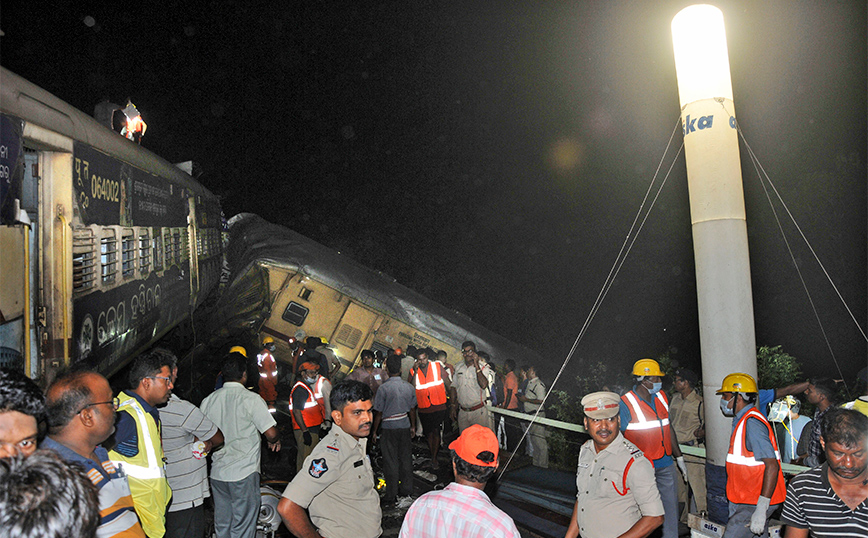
(701, 59)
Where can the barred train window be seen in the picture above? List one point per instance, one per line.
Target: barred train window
(144, 251)
(158, 249)
(170, 247)
(128, 253)
(83, 260)
(180, 253)
(108, 256)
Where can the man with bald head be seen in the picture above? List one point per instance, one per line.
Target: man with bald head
(81, 415)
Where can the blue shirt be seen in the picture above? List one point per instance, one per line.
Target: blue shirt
(117, 514)
(756, 436)
(126, 435)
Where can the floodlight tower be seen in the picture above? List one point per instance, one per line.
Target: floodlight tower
(726, 322)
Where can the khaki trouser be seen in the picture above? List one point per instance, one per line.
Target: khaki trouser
(481, 416)
(537, 434)
(304, 451)
(696, 476)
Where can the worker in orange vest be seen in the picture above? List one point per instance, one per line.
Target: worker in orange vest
(432, 384)
(644, 413)
(306, 411)
(754, 482)
(267, 373)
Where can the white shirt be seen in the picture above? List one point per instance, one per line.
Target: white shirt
(241, 415)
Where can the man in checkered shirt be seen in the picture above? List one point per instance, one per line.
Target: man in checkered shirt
(462, 508)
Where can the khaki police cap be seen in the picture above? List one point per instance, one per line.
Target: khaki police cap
(601, 404)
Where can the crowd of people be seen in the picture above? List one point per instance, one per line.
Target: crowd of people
(135, 464)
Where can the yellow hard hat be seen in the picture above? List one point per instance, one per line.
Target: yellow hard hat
(647, 367)
(239, 349)
(738, 383)
(267, 340)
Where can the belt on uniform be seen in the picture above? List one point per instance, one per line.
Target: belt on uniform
(474, 408)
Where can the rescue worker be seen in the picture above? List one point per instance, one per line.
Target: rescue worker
(267, 373)
(138, 446)
(335, 495)
(632, 507)
(644, 413)
(754, 483)
(432, 384)
(307, 413)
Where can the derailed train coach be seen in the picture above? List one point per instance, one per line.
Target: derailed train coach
(285, 285)
(105, 246)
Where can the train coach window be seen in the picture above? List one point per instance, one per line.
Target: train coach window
(128, 253)
(83, 260)
(144, 251)
(295, 313)
(108, 255)
(180, 251)
(158, 250)
(170, 247)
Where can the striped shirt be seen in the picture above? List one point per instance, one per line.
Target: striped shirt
(117, 516)
(812, 503)
(183, 422)
(457, 511)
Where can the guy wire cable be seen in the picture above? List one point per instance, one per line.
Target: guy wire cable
(764, 180)
(626, 247)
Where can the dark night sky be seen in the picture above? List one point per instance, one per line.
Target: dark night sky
(492, 155)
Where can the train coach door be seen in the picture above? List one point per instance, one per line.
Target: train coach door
(352, 332)
(193, 236)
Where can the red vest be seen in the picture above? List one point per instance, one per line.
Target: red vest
(744, 474)
(649, 428)
(312, 413)
(430, 389)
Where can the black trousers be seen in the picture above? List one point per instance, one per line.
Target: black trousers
(397, 462)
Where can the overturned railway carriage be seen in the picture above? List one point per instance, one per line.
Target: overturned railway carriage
(105, 246)
(286, 285)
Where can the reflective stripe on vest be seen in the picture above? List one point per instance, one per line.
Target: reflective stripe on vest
(643, 422)
(745, 473)
(155, 467)
(312, 413)
(431, 391)
(649, 431)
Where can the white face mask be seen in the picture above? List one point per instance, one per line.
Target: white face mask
(655, 388)
(724, 407)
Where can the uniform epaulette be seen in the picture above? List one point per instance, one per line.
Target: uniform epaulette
(635, 452)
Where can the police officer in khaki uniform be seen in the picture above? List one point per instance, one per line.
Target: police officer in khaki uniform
(617, 492)
(336, 483)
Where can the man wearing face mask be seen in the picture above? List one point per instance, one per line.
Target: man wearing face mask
(755, 485)
(644, 413)
(307, 413)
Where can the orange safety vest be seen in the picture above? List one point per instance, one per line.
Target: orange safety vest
(312, 412)
(649, 428)
(317, 394)
(744, 474)
(430, 389)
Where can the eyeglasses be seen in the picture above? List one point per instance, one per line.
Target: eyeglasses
(116, 403)
(167, 380)
(466, 351)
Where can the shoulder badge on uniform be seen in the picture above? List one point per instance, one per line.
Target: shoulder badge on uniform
(637, 454)
(333, 448)
(318, 467)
